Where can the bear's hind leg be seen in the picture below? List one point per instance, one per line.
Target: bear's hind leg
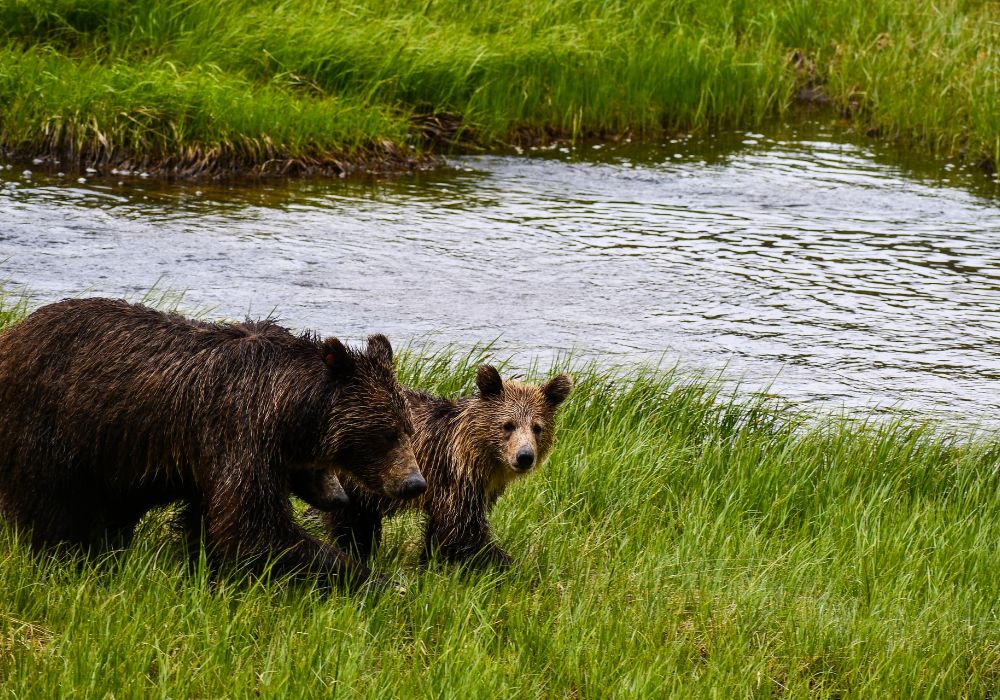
(66, 514)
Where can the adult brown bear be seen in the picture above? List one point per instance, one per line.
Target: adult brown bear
(108, 409)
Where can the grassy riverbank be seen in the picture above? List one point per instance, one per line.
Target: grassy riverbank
(679, 542)
(265, 86)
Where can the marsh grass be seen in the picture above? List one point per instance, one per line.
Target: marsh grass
(683, 540)
(277, 86)
(13, 306)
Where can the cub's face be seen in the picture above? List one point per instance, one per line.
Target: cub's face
(517, 421)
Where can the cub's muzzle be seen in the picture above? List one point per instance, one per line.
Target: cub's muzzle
(525, 459)
(334, 494)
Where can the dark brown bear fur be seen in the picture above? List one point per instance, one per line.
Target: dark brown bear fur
(469, 451)
(108, 409)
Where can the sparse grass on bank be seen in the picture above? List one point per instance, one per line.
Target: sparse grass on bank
(315, 86)
(13, 307)
(679, 542)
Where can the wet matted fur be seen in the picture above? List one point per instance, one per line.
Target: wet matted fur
(108, 409)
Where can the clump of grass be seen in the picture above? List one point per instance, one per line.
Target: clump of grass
(244, 84)
(682, 540)
(13, 307)
(155, 115)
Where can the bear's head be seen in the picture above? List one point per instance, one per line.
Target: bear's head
(515, 422)
(369, 432)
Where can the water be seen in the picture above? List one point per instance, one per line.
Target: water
(827, 271)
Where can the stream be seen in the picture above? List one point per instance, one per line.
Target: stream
(798, 261)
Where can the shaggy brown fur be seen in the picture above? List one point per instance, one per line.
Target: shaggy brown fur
(108, 409)
(469, 451)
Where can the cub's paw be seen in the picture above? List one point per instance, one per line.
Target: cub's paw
(500, 558)
(312, 515)
(380, 584)
(493, 556)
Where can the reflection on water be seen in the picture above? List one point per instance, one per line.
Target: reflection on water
(851, 280)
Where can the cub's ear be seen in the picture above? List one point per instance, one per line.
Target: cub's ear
(557, 389)
(488, 380)
(337, 357)
(380, 349)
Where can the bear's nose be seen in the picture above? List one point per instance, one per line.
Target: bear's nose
(412, 486)
(525, 458)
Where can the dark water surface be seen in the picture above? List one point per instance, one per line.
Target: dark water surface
(845, 277)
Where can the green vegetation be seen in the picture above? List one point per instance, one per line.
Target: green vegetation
(12, 307)
(189, 86)
(679, 542)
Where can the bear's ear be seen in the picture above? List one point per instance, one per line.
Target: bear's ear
(557, 389)
(380, 349)
(337, 357)
(488, 380)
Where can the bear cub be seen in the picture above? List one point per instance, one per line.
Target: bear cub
(469, 450)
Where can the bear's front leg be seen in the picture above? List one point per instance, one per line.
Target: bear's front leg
(249, 523)
(357, 526)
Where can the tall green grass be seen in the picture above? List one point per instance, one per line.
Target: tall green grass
(224, 83)
(680, 542)
(13, 307)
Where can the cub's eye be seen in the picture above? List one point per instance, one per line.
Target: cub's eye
(536, 429)
(508, 427)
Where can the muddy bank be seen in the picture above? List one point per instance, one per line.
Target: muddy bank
(384, 159)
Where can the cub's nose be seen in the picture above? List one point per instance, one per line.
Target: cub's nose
(525, 458)
(412, 486)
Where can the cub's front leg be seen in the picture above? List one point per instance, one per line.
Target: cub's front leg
(463, 536)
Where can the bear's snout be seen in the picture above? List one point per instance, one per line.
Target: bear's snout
(412, 486)
(525, 458)
(404, 479)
